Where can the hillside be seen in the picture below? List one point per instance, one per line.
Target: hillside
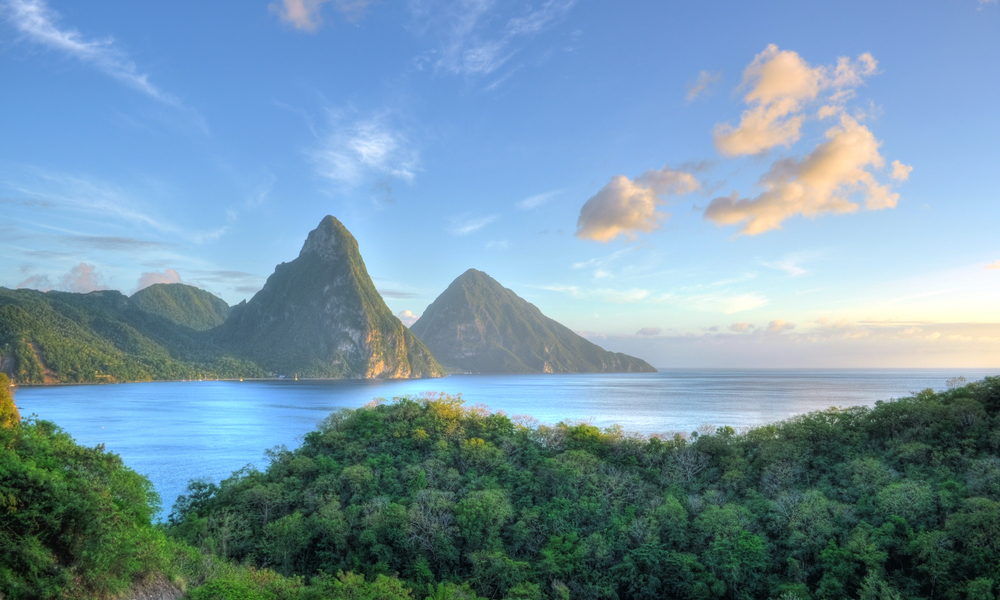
(181, 304)
(479, 326)
(321, 316)
(897, 501)
(61, 337)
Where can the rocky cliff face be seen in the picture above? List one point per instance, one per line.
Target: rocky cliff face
(321, 316)
(479, 326)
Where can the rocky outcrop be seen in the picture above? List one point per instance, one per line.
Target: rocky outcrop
(321, 316)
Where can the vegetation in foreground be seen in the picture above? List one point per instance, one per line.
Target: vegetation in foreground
(897, 501)
(425, 498)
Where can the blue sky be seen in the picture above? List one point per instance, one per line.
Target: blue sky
(711, 184)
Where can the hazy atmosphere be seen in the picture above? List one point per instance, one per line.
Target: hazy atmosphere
(810, 186)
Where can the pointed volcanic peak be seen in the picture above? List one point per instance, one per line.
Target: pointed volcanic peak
(182, 304)
(321, 316)
(479, 326)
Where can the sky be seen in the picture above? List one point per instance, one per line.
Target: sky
(716, 184)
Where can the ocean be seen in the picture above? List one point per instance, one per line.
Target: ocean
(175, 431)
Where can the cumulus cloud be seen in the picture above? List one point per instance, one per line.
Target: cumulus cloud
(42, 283)
(993, 266)
(407, 317)
(900, 172)
(649, 331)
(826, 181)
(38, 23)
(149, 278)
(780, 86)
(741, 327)
(304, 15)
(364, 149)
(777, 326)
(82, 278)
(702, 85)
(626, 207)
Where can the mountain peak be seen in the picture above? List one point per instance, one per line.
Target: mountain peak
(328, 240)
(477, 325)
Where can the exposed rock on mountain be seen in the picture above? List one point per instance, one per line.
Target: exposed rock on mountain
(320, 316)
(479, 326)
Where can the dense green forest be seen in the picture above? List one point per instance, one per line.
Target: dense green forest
(427, 498)
(901, 500)
(60, 337)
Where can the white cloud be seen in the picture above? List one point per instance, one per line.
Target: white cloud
(41, 283)
(305, 14)
(407, 317)
(780, 85)
(900, 172)
(778, 325)
(702, 85)
(826, 181)
(471, 42)
(741, 327)
(649, 331)
(356, 151)
(626, 207)
(788, 265)
(151, 277)
(537, 200)
(465, 225)
(82, 278)
(37, 22)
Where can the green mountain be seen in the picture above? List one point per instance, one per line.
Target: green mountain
(321, 316)
(60, 337)
(182, 304)
(479, 326)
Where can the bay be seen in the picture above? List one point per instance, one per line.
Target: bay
(175, 431)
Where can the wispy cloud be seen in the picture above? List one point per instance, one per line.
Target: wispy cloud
(702, 86)
(465, 225)
(39, 24)
(304, 15)
(789, 264)
(628, 296)
(537, 200)
(364, 149)
(470, 40)
(723, 302)
(993, 266)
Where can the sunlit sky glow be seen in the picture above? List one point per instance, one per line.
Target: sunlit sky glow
(789, 185)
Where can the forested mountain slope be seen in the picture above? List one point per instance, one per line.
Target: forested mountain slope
(479, 326)
(182, 304)
(897, 501)
(61, 337)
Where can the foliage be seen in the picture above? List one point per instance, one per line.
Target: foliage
(479, 326)
(181, 304)
(9, 415)
(59, 337)
(74, 521)
(898, 500)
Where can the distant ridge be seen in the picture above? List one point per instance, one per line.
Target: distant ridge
(479, 326)
(321, 316)
(182, 304)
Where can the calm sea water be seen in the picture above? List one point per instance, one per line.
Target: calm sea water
(175, 431)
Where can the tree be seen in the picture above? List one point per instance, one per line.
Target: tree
(9, 416)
